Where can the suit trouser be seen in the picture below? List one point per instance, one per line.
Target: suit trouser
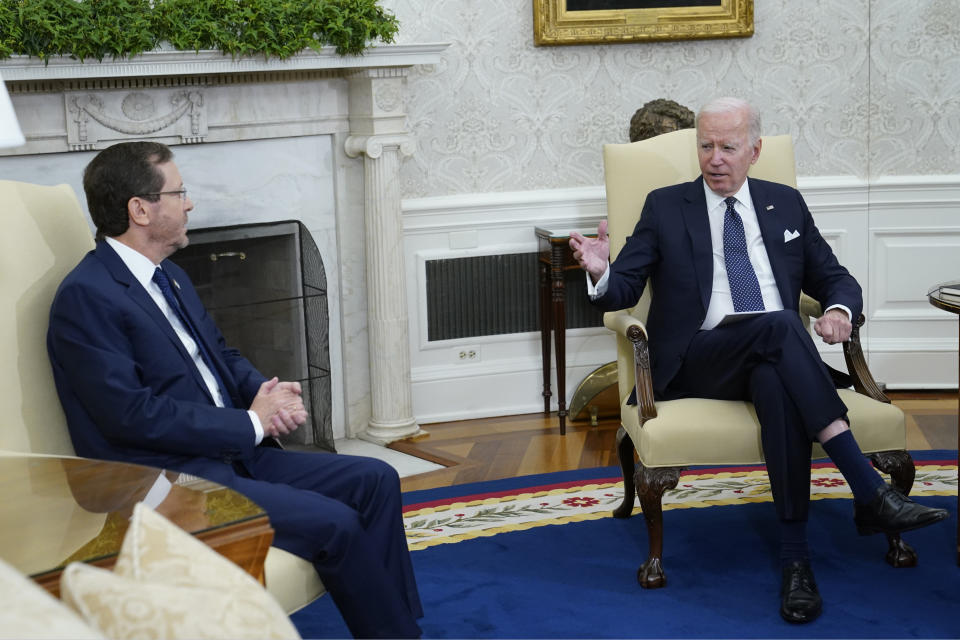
(772, 361)
(343, 513)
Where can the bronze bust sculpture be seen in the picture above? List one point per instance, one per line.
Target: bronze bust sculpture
(659, 116)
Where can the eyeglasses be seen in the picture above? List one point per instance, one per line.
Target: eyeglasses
(180, 192)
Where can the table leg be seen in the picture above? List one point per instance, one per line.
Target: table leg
(546, 325)
(559, 343)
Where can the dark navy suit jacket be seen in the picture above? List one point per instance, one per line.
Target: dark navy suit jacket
(671, 248)
(131, 392)
(128, 387)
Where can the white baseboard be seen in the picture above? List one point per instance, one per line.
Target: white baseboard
(511, 391)
(914, 363)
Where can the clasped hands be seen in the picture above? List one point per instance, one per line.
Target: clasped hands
(279, 406)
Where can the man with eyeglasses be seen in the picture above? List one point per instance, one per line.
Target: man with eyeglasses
(145, 376)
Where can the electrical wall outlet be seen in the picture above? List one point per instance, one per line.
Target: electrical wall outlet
(468, 354)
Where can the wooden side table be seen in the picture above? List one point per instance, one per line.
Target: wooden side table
(554, 256)
(946, 296)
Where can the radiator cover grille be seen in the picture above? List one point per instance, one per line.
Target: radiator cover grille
(494, 295)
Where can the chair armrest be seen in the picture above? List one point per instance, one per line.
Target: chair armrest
(810, 307)
(629, 327)
(857, 367)
(621, 323)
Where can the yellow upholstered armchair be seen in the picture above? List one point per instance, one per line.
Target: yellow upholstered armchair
(668, 436)
(45, 236)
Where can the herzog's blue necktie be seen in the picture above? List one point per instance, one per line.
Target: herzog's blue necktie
(163, 281)
(744, 287)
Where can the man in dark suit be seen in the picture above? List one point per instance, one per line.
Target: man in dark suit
(145, 376)
(723, 245)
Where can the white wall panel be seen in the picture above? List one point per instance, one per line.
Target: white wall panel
(914, 244)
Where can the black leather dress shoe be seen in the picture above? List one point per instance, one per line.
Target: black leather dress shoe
(799, 599)
(892, 512)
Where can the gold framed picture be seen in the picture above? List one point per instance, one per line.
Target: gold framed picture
(557, 22)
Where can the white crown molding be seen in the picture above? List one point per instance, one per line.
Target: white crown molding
(831, 183)
(835, 194)
(509, 209)
(505, 200)
(180, 63)
(918, 191)
(914, 182)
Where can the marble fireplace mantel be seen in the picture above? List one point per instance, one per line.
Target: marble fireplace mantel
(180, 63)
(341, 117)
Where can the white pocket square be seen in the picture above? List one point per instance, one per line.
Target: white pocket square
(790, 235)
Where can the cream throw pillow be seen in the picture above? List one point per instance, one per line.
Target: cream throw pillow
(168, 584)
(27, 611)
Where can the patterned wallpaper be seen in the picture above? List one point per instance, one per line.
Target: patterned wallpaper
(915, 87)
(867, 88)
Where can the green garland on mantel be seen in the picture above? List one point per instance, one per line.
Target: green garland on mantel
(95, 29)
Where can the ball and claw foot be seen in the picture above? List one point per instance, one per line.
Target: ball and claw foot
(900, 554)
(650, 575)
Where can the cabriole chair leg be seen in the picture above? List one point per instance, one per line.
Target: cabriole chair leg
(625, 454)
(902, 471)
(651, 485)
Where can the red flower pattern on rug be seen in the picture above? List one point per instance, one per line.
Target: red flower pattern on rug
(580, 501)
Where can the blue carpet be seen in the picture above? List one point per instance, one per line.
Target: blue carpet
(578, 580)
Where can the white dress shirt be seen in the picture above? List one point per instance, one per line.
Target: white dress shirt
(721, 302)
(142, 269)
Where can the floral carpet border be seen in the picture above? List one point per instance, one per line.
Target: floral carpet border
(457, 519)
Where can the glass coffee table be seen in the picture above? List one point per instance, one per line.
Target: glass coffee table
(57, 510)
(946, 296)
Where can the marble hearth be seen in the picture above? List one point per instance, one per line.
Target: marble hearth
(317, 138)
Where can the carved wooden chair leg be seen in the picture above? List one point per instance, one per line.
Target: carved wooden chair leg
(625, 454)
(902, 471)
(651, 485)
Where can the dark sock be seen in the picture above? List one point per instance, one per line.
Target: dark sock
(793, 541)
(858, 472)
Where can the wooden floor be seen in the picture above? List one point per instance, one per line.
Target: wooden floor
(510, 446)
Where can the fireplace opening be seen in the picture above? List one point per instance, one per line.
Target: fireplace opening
(265, 286)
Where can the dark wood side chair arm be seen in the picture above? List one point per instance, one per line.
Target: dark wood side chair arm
(863, 380)
(646, 407)
(624, 324)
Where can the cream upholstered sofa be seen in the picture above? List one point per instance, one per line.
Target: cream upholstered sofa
(668, 436)
(46, 235)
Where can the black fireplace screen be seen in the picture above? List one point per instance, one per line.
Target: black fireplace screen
(266, 288)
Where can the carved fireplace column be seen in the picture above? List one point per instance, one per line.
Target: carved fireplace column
(378, 133)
